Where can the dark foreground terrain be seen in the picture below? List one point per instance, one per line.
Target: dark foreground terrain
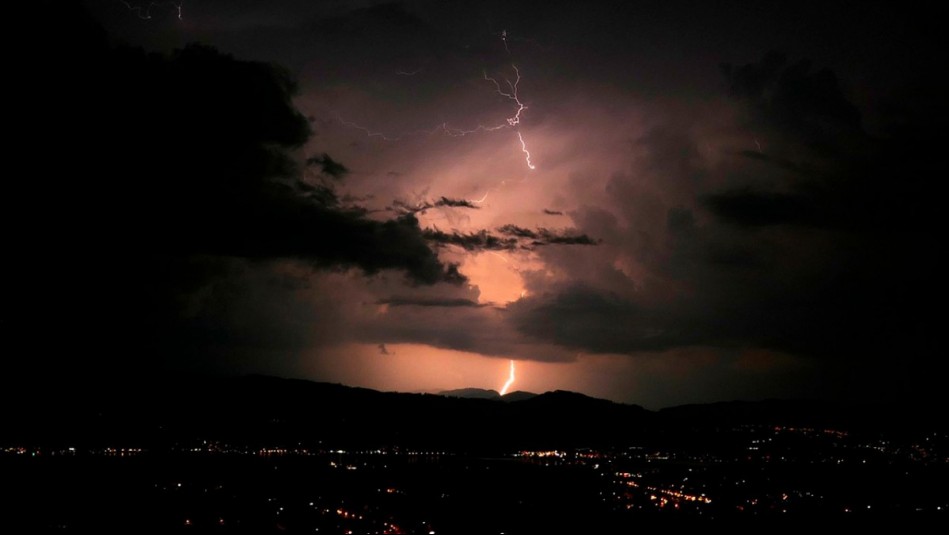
(261, 455)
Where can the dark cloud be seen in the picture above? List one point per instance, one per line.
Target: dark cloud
(403, 207)
(547, 238)
(164, 159)
(353, 38)
(518, 232)
(827, 171)
(751, 208)
(383, 350)
(552, 212)
(193, 154)
(509, 238)
(817, 245)
(793, 95)
(456, 203)
(197, 177)
(430, 302)
(584, 318)
(473, 241)
(482, 328)
(328, 166)
(543, 236)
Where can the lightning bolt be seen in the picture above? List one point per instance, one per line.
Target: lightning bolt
(527, 153)
(515, 119)
(499, 255)
(508, 90)
(510, 380)
(382, 135)
(144, 10)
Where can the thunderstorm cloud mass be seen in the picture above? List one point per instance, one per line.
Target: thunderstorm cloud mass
(651, 202)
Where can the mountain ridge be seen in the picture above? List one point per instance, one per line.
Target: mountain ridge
(259, 409)
(481, 393)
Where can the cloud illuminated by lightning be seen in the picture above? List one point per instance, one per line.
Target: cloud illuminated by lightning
(443, 128)
(510, 380)
(508, 90)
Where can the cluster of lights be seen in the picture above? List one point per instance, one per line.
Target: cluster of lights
(661, 495)
(811, 431)
(121, 452)
(542, 454)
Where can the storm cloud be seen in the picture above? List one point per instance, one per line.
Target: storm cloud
(693, 203)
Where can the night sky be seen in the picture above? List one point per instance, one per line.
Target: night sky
(650, 202)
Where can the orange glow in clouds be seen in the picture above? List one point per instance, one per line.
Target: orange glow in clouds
(496, 276)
